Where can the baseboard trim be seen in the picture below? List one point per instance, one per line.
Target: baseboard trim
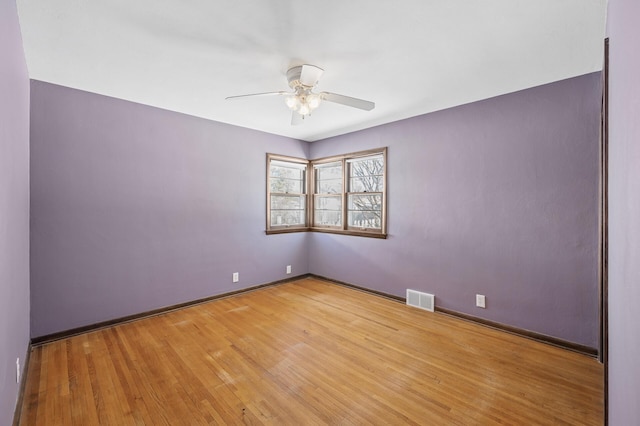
(539, 337)
(48, 338)
(357, 287)
(17, 414)
(543, 338)
(575, 347)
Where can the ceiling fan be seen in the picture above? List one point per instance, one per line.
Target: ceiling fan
(303, 100)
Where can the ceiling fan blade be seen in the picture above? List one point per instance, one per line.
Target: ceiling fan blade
(310, 75)
(258, 94)
(296, 118)
(348, 101)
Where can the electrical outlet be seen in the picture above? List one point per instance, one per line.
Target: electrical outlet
(236, 277)
(481, 301)
(17, 370)
(288, 269)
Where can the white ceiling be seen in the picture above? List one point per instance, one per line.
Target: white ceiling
(408, 56)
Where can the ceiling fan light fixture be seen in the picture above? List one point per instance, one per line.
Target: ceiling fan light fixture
(304, 109)
(313, 100)
(302, 101)
(292, 102)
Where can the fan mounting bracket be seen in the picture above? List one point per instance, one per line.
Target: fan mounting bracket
(293, 77)
(297, 80)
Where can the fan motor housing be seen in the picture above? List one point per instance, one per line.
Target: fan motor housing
(293, 76)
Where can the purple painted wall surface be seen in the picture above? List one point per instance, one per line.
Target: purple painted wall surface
(499, 198)
(624, 212)
(135, 208)
(14, 207)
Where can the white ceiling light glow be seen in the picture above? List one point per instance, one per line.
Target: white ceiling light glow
(304, 101)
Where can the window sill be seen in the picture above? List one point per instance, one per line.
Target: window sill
(285, 230)
(350, 232)
(329, 231)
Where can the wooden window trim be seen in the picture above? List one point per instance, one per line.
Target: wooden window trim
(311, 196)
(282, 229)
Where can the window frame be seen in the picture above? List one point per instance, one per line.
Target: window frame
(345, 228)
(284, 228)
(315, 194)
(311, 196)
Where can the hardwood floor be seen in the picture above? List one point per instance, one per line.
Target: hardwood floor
(308, 352)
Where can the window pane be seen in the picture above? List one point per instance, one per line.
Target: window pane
(366, 184)
(286, 179)
(329, 178)
(285, 185)
(287, 210)
(365, 202)
(366, 174)
(328, 210)
(329, 186)
(365, 210)
(328, 218)
(371, 220)
(287, 202)
(287, 172)
(287, 217)
(329, 171)
(370, 162)
(328, 203)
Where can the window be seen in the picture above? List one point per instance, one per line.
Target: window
(328, 198)
(365, 192)
(286, 193)
(348, 194)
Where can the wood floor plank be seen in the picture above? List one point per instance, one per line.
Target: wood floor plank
(308, 352)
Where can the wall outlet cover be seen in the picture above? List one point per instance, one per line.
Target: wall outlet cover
(481, 301)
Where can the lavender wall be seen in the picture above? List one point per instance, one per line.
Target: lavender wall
(135, 208)
(14, 207)
(624, 212)
(497, 197)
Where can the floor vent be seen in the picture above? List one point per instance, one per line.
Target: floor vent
(421, 300)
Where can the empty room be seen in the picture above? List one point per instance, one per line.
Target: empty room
(301, 212)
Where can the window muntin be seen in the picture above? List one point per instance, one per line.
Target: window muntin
(287, 199)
